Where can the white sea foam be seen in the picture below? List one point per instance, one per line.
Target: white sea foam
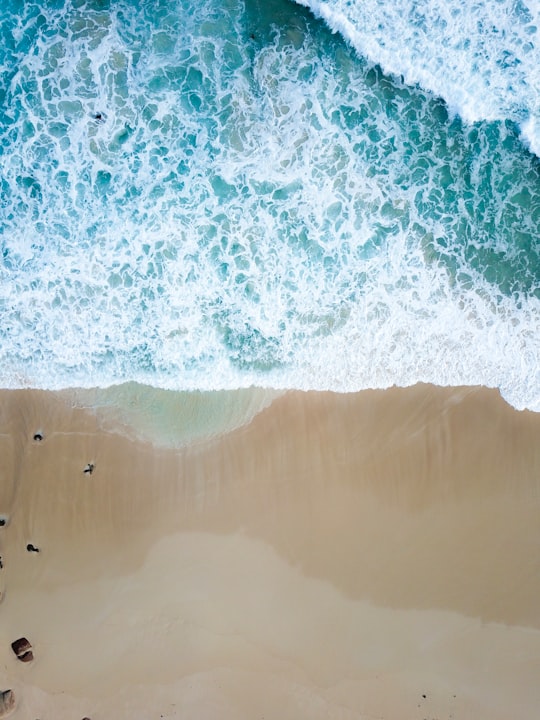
(242, 215)
(530, 134)
(482, 57)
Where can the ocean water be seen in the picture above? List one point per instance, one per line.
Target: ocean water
(217, 195)
(170, 418)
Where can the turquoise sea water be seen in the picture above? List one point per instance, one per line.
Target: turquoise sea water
(224, 194)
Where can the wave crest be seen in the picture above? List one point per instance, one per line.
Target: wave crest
(482, 58)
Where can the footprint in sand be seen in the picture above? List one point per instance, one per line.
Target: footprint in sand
(23, 650)
(7, 703)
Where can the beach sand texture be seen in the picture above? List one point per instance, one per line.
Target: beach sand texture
(371, 555)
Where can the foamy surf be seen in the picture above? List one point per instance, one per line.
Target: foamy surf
(483, 58)
(210, 197)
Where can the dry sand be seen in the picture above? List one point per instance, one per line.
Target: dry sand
(374, 555)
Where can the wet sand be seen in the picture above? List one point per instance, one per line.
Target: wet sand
(373, 555)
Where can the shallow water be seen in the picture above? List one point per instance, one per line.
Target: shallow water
(171, 418)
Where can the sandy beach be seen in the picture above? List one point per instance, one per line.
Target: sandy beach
(371, 555)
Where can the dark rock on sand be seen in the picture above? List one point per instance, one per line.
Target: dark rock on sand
(38, 437)
(21, 645)
(7, 703)
(32, 548)
(22, 649)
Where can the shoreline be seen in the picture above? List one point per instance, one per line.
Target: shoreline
(180, 419)
(337, 554)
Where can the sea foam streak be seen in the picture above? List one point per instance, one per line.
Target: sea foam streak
(194, 198)
(482, 57)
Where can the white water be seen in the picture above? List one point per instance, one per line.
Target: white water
(272, 215)
(482, 56)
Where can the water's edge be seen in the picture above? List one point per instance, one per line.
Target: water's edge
(170, 418)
